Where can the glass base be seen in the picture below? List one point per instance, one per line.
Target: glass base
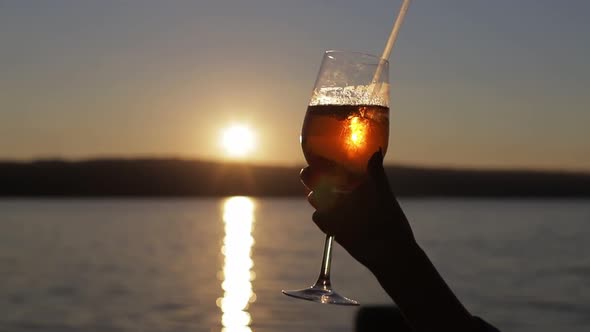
(320, 294)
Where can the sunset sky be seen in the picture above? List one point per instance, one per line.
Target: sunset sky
(474, 83)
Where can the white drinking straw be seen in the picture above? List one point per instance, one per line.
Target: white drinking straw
(392, 37)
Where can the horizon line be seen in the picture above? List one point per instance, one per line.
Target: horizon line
(258, 163)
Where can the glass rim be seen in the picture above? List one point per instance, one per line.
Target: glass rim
(377, 58)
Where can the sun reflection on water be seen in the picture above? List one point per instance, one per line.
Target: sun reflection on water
(237, 274)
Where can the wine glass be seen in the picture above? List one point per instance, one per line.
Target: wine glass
(347, 121)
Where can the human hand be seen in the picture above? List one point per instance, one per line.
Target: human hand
(368, 221)
(370, 224)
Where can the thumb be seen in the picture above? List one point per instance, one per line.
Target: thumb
(376, 171)
(377, 174)
(375, 162)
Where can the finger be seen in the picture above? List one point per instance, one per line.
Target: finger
(314, 177)
(312, 200)
(323, 200)
(377, 174)
(375, 164)
(324, 222)
(308, 176)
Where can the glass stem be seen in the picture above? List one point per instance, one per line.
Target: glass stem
(324, 277)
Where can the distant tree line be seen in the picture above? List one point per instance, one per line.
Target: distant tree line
(175, 177)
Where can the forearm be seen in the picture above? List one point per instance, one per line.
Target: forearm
(423, 297)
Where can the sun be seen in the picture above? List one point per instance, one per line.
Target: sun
(238, 140)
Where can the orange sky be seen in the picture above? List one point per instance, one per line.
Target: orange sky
(152, 79)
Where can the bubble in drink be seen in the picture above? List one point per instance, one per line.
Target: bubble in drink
(339, 140)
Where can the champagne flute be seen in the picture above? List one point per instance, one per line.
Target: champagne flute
(347, 121)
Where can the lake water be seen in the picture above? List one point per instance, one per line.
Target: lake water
(205, 264)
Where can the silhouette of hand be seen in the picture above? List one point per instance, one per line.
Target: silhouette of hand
(367, 221)
(370, 224)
